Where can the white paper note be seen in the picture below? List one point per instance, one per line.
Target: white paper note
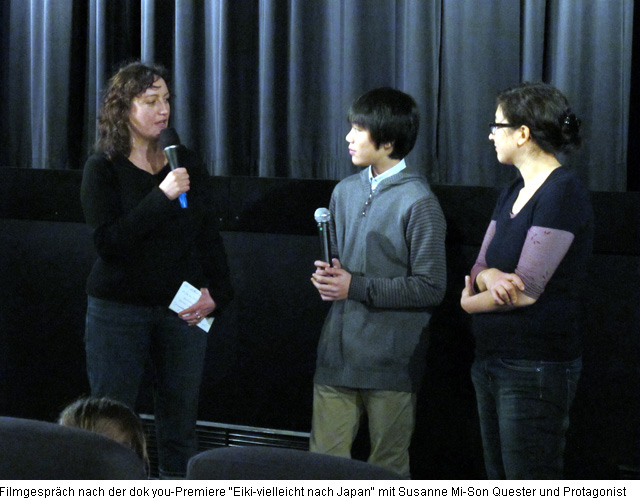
(187, 296)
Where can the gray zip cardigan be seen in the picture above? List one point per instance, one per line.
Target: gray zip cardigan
(392, 242)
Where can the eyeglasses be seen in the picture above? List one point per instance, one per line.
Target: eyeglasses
(495, 126)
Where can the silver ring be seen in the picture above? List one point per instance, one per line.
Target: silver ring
(197, 316)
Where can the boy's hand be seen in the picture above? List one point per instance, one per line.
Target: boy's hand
(332, 282)
(322, 267)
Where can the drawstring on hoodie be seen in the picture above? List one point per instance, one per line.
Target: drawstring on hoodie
(368, 202)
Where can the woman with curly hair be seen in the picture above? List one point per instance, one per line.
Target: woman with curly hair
(147, 246)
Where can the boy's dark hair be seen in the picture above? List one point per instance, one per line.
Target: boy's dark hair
(545, 110)
(390, 116)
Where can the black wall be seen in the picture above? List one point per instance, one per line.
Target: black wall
(261, 352)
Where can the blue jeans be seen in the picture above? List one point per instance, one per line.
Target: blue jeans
(119, 339)
(524, 415)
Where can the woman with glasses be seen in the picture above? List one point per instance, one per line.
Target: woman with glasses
(524, 289)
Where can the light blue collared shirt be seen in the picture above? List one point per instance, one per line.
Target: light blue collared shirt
(401, 165)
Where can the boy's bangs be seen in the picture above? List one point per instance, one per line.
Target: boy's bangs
(358, 118)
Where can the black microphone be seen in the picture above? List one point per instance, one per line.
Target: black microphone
(323, 216)
(170, 142)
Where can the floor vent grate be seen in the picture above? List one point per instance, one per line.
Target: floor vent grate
(216, 435)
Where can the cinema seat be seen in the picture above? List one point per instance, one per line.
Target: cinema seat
(263, 462)
(32, 449)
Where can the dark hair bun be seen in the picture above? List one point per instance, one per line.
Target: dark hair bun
(571, 130)
(545, 110)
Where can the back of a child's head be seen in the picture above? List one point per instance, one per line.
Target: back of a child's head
(390, 116)
(109, 418)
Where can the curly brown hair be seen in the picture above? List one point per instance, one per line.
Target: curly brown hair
(131, 80)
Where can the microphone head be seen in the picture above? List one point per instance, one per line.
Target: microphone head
(169, 137)
(322, 215)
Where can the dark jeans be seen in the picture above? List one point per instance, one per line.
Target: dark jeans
(524, 415)
(119, 339)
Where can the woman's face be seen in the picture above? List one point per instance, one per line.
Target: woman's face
(149, 112)
(504, 139)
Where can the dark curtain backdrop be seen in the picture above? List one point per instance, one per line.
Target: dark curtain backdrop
(262, 86)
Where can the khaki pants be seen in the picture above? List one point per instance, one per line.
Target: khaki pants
(391, 414)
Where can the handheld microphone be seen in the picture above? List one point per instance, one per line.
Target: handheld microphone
(170, 142)
(323, 216)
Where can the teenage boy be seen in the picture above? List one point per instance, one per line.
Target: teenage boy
(387, 275)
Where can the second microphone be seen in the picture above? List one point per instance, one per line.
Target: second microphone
(323, 217)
